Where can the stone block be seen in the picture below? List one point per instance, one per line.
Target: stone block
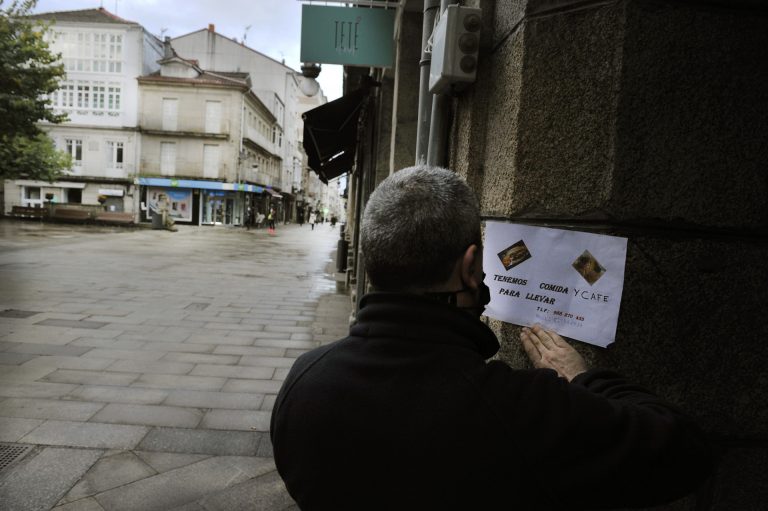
(240, 420)
(227, 400)
(202, 358)
(48, 409)
(108, 473)
(258, 386)
(258, 351)
(265, 492)
(91, 377)
(201, 441)
(150, 415)
(147, 367)
(38, 482)
(78, 434)
(267, 361)
(121, 354)
(111, 394)
(165, 381)
(11, 429)
(165, 461)
(35, 389)
(256, 373)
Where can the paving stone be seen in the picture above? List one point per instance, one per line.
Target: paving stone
(295, 353)
(242, 420)
(111, 394)
(285, 343)
(87, 504)
(269, 402)
(7, 358)
(91, 377)
(201, 441)
(48, 409)
(36, 389)
(97, 342)
(66, 362)
(265, 447)
(219, 340)
(149, 415)
(71, 323)
(184, 485)
(108, 473)
(146, 367)
(164, 381)
(258, 351)
(178, 347)
(258, 386)
(38, 482)
(228, 400)
(233, 371)
(201, 358)
(265, 492)
(79, 434)
(289, 329)
(267, 361)
(24, 374)
(12, 429)
(165, 461)
(119, 354)
(281, 373)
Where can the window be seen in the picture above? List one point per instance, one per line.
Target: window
(168, 158)
(210, 160)
(90, 52)
(213, 116)
(115, 155)
(99, 94)
(113, 97)
(170, 113)
(74, 148)
(83, 95)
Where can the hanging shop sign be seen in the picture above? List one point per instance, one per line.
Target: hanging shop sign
(568, 281)
(352, 36)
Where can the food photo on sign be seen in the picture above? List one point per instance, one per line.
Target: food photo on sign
(568, 281)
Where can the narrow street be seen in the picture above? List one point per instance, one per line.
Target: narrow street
(138, 368)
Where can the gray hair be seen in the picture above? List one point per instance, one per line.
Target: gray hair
(416, 224)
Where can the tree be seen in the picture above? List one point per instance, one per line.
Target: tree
(28, 73)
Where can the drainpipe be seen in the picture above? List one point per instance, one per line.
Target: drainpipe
(438, 132)
(425, 102)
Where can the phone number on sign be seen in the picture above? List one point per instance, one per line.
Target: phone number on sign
(559, 317)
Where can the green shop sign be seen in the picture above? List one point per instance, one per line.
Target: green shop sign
(353, 36)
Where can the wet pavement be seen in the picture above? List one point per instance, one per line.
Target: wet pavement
(138, 368)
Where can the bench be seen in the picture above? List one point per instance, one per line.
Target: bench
(74, 215)
(28, 212)
(112, 217)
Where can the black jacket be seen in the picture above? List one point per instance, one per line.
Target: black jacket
(406, 413)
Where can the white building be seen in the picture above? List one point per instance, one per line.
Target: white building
(103, 54)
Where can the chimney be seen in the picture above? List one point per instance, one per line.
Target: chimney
(211, 27)
(167, 50)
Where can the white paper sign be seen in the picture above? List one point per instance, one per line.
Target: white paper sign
(568, 281)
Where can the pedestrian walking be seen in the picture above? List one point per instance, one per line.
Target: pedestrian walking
(271, 221)
(408, 412)
(312, 219)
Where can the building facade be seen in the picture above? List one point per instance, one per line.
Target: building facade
(280, 89)
(102, 54)
(209, 145)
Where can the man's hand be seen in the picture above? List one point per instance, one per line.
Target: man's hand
(548, 350)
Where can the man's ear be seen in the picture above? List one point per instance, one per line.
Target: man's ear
(471, 267)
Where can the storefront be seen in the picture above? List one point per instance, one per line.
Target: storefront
(198, 202)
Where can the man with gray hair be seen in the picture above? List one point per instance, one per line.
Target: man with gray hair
(407, 413)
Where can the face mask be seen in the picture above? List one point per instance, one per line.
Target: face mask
(451, 297)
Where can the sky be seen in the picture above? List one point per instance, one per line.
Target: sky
(275, 25)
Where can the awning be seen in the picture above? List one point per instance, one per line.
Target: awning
(273, 193)
(203, 185)
(330, 135)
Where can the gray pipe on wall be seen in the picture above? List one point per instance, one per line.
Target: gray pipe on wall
(425, 101)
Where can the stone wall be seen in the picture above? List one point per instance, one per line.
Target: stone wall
(649, 120)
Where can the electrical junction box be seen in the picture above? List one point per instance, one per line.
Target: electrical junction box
(455, 46)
